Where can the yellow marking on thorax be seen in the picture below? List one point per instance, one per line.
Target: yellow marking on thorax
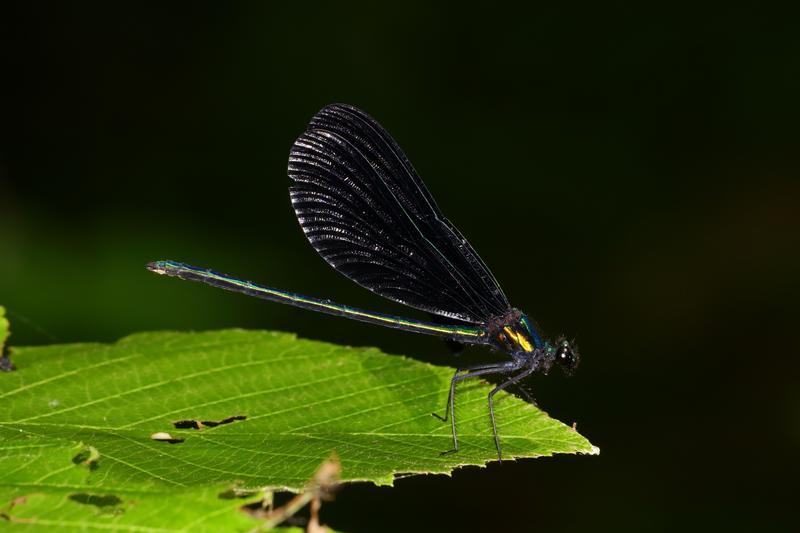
(520, 339)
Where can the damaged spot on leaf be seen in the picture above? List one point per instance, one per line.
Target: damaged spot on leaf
(98, 500)
(237, 492)
(187, 424)
(88, 456)
(166, 437)
(5, 514)
(107, 504)
(200, 424)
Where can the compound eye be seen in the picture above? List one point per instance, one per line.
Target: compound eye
(564, 355)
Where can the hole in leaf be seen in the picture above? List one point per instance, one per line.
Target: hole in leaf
(88, 456)
(166, 437)
(98, 500)
(200, 424)
(187, 424)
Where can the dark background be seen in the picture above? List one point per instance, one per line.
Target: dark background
(630, 174)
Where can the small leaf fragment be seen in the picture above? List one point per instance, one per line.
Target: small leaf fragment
(5, 331)
(4, 328)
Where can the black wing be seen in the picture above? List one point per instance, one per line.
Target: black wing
(367, 212)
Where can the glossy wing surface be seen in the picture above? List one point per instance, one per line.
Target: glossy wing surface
(367, 213)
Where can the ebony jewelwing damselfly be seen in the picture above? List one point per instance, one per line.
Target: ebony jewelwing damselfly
(365, 210)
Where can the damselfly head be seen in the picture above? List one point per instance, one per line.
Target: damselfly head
(566, 355)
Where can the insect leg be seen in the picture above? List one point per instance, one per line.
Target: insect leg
(453, 382)
(526, 395)
(471, 372)
(522, 375)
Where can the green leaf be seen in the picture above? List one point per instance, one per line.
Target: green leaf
(5, 362)
(83, 419)
(4, 330)
(79, 509)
